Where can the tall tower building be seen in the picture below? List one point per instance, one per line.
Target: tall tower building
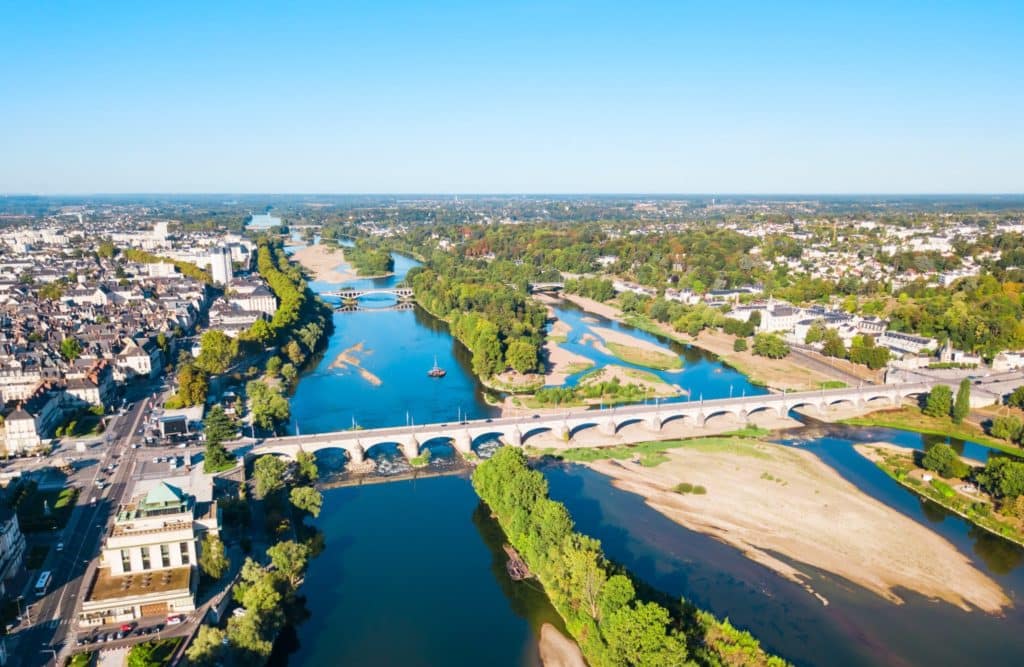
(220, 266)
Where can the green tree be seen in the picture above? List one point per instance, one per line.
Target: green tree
(637, 635)
(815, 332)
(770, 345)
(70, 349)
(294, 353)
(161, 342)
(1016, 398)
(290, 559)
(274, 366)
(1008, 427)
(305, 462)
(943, 459)
(245, 633)
(962, 405)
(1002, 477)
(940, 402)
(106, 249)
(218, 426)
(739, 345)
(521, 355)
(307, 499)
(260, 331)
(269, 472)
(834, 346)
(207, 649)
(213, 560)
(217, 352)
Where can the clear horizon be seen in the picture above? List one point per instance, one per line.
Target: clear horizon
(653, 98)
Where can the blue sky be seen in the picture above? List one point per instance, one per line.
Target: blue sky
(464, 97)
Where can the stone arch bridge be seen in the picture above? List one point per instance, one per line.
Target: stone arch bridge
(574, 424)
(351, 294)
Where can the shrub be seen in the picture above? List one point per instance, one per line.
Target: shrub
(739, 345)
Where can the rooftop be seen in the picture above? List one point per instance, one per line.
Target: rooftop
(110, 587)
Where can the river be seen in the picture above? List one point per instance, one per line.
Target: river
(412, 573)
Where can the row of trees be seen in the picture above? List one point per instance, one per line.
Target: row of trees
(940, 402)
(598, 602)
(268, 593)
(1002, 477)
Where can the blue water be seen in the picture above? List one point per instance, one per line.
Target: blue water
(411, 576)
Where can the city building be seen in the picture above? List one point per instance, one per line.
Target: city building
(220, 265)
(12, 545)
(148, 560)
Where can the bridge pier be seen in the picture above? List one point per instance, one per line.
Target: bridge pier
(607, 427)
(700, 418)
(653, 423)
(514, 437)
(356, 453)
(564, 433)
(463, 442)
(411, 447)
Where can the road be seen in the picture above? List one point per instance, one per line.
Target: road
(50, 620)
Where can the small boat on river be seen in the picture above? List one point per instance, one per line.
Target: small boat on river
(437, 371)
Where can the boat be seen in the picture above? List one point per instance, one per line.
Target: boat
(437, 371)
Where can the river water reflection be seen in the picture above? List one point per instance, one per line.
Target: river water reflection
(412, 573)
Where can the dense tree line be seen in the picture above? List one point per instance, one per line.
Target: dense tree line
(500, 324)
(369, 259)
(599, 603)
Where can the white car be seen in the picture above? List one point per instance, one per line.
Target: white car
(175, 620)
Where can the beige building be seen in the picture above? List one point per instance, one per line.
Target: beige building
(148, 561)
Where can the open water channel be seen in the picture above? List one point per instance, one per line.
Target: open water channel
(413, 573)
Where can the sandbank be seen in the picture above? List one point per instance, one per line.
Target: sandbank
(763, 498)
(557, 650)
(325, 263)
(562, 363)
(348, 358)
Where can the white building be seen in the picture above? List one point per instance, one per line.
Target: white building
(148, 560)
(220, 265)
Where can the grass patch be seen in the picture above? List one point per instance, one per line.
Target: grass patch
(832, 384)
(578, 367)
(912, 419)
(36, 556)
(643, 376)
(749, 432)
(29, 502)
(685, 488)
(558, 339)
(421, 461)
(153, 652)
(81, 659)
(945, 489)
(651, 454)
(658, 360)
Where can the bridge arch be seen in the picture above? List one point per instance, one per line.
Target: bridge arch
(678, 418)
(388, 449)
(629, 421)
(582, 426)
(485, 444)
(721, 415)
(535, 431)
(762, 410)
(439, 446)
(807, 406)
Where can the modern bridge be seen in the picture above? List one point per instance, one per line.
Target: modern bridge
(517, 431)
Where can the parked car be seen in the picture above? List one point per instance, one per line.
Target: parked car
(175, 619)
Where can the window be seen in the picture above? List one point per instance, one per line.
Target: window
(184, 554)
(126, 560)
(145, 558)
(165, 555)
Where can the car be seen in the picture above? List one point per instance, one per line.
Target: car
(92, 501)
(135, 445)
(175, 619)
(536, 416)
(119, 635)
(60, 546)
(127, 627)
(156, 459)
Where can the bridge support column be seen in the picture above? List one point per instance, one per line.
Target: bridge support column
(608, 427)
(782, 411)
(514, 437)
(744, 416)
(356, 453)
(564, 433)
(411, 447)
(700, 419)
(653, 423)
(463, 442)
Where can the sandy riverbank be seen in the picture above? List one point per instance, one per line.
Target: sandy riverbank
(349, 358)
(557, 650)
(562, 363)
(780, 374)
(764, 499)
(326, 264)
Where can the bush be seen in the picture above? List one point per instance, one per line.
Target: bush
(1009, 427)
(739, 345)
(943, 459)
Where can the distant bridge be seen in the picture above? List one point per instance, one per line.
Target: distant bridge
(350, 294)
(546, 287)
(517, 431)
